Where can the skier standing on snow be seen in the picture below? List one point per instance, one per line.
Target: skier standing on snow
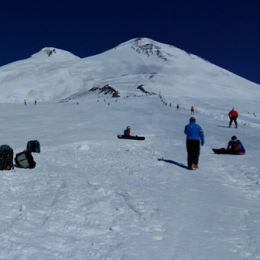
(233, 117)
(192, 110)
(35, 102)
(235, 144)
(195, 138)
(127, 131)
(25, 101)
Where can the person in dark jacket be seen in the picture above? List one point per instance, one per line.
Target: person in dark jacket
(127, 131)
(235, 144)
(233, 117)
(195, 139)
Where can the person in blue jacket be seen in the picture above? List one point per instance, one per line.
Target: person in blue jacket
(195, 139)
(127, 131)
(235, 144)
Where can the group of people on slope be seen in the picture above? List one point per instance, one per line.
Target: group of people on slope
(35, 102)
(233, 114)
(195, 139)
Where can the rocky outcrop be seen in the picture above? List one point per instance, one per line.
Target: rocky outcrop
(107, 89)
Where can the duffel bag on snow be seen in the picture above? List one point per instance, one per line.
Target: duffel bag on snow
(6, 157)
(34, 146)
(24, 160)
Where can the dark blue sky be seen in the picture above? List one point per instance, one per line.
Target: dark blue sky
(225, 32)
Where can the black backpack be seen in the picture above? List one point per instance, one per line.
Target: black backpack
(24, 160)
(34, 146)
(6, 157)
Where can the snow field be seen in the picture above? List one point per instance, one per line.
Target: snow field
(93, 196)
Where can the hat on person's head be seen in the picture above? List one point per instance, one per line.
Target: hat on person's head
(192, 119)
(233, 138)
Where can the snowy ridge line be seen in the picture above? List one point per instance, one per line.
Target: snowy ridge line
(61, 75)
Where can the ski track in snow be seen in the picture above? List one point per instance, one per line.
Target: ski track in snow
(92, 196)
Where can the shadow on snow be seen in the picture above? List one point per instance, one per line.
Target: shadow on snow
(223, 126)
(173, 162)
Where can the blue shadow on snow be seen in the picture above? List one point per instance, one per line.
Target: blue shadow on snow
(173, 162)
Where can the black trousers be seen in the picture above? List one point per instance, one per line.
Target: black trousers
(233, 118)
(193, 150)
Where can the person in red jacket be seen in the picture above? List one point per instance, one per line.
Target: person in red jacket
(192, 110)
(233, 117)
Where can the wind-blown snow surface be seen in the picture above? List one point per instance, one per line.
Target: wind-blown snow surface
(93, 196)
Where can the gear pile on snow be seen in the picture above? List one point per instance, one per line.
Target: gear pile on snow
(22, 160)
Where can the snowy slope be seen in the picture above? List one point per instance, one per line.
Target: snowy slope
(43, 76)
(93, 196)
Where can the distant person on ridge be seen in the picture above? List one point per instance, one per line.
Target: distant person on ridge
(233, 117)
(195, 138)
(235, 144)
(35, 102)
(25, 101)
(127, 131)
(178, 106)
(192, 110)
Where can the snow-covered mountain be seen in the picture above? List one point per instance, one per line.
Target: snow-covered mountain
(54, 74)
(93, 196)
